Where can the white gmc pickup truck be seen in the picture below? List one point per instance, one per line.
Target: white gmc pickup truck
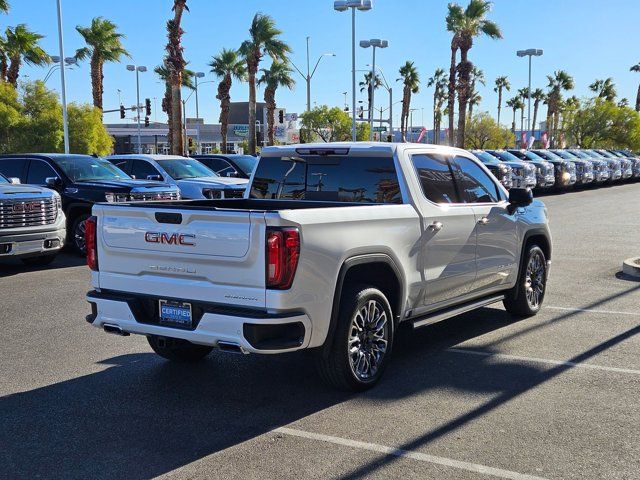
(333, 246)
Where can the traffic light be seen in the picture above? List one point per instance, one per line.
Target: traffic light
(146, 121)
(122, 112)
(361, 112)
(147, 106)
(281, 116)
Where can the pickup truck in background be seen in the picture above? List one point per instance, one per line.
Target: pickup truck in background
(32, 224)
(332, 248)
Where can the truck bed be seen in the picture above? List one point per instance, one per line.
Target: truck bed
(253, 204)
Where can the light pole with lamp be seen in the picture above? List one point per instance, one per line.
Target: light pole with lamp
(375, 43)
(69, 62)
(65, 117)
(391, 104)
(138, 69)
(343, 6)
(531, 52)
(310, 73)
(197, 76)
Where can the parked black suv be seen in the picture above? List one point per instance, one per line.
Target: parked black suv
(229, 164)
(82, 180)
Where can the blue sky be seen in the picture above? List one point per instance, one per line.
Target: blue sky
(588, 38)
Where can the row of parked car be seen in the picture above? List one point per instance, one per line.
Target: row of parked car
(559, 169)
(45, 199)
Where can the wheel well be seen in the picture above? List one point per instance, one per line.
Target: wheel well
(379, 275)
(543, 242)
(75, 212)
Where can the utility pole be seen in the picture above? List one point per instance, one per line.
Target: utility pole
(65, 117)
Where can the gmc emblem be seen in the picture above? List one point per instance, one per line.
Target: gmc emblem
(26, 207)
(170, 239)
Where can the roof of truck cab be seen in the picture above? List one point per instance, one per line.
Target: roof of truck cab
(361, 147)
(148, 156)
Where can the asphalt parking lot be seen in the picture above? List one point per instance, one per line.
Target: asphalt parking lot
(554, 396)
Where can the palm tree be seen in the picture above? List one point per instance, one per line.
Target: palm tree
(227, 65)
(516, 104)
(167, 102)
(278, 75)
(502, 83)
(523, 93)
(604, 89)
(474, 101)
(624, 102)
(558, 82)
(370, 86)
(263, 40)
(411, 85)
(538, 96)
(636, 68)
(439, 81)
(175, 64)
(4, 6)
(22, 45)
(103, 45)
(477, 76)
(466, 25)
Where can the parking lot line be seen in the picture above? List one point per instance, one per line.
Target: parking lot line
(397, 452)
(589, 310)
(544, 360)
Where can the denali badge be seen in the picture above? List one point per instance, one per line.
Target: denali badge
(170, 239)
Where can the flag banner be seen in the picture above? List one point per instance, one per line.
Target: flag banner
(523, 140)
(422, 134)
(531, 140)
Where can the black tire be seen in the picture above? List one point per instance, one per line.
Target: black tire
(41, 261)
(336, 365)
(178, 350)
(526, 297)
(76, 234)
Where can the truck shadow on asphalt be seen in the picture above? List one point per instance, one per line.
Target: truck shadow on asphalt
(141, 417)
(11, 267)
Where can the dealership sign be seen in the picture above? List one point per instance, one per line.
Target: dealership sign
(241, 130)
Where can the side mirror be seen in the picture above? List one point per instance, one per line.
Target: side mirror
(14, 180)
(520, 197)
(53, 182)
(157, 178)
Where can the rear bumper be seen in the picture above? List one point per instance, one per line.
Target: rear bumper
(252, 331)
(32, 244)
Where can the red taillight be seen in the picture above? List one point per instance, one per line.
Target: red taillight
(91, 242)
(283, 251)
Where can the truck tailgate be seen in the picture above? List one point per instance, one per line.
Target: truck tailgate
(208, 255)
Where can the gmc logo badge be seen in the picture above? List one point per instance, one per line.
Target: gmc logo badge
(26, 207)
(170, 239)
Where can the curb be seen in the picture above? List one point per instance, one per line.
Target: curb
(631, 266)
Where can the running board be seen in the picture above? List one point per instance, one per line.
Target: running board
(438, 316)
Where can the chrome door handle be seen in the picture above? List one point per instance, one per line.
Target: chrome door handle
(435, 226)
(483, 221)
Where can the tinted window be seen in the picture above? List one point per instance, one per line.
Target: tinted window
(85, 169)
(504, 155)
(13, 167)
(436, 178)
(179, 169)
(331, 178)
(246, 163)
(39, 170)
(123, 164)
(474, 184)
(141, 169)
(485, 157)
(218, 165)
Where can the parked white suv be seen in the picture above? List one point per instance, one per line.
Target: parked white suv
(336, 245)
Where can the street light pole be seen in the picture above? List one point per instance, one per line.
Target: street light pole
(310, 73)
(342, 6)
(65, 118)
(138, 69)
(198, 75)
(531, 52)
(375, 43)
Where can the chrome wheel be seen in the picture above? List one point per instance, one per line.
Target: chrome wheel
(78, 235)
(534, 280)
(368, 340)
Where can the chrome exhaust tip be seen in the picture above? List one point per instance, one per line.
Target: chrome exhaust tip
(114, 330)
(230, 347)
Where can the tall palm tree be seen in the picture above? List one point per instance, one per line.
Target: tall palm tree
(167, 101)
(559, 82)
(453, 20)
(477, 76)
(278, 75)
(502, 83)
(103, 45)
(523, 93)
(439, 81)
(4, 6)
(636, 68)
(264, 39)
(22, 45)
(468, 24)
(474, 101)
(227, 65)
(411, 85)
(369, 85)
(538, 96)
(516, 104)
(175, 64)
(604, 89)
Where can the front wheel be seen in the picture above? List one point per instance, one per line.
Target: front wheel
(178, 350)
(525, 299)
(362, 342)
(78, 232)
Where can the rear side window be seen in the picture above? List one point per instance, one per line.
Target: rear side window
(327, 178)
(141, 169)
(435, 178)
(14, 167)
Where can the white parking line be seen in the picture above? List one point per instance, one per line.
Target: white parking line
(397, 452)
(609, 312)
(544, 360)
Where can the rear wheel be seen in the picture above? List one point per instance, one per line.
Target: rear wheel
(78, 231)
(525, 299)
(40, 261)
(178, 350)
(362, 342)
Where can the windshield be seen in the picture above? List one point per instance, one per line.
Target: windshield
(3, 180)
(505, 156)
(580, 154)
(183, 168)
(565, 155)
(246, 163)
(547, 155)
(484, 156)
(606, 154)
(86, 169)
(532, 156)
